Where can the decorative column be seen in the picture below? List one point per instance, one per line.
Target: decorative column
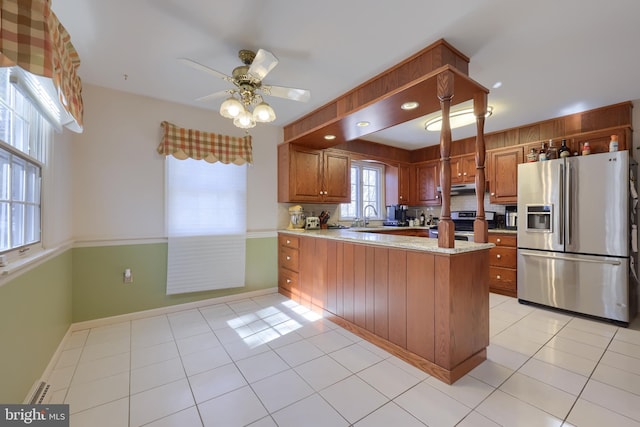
(446, 227)
(480, 227)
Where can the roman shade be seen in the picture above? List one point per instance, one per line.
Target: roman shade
(32, 38)
(211, 147)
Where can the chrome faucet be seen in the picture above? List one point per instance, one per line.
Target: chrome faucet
(364, 213)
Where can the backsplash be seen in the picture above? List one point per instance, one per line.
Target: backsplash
(465, 202)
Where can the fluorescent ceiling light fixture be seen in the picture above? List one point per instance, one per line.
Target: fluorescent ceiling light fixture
(411, 105)
(329, 137)
(363, 124)
(457, 119)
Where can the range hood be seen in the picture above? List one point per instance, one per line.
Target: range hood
(457, 189)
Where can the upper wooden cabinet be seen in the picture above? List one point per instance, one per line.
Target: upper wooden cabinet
(503, 174)
(397, 184)
(307, 175)
(425, 178)
(463, 169)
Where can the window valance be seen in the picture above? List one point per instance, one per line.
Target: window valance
(211, 147)
(32, 38)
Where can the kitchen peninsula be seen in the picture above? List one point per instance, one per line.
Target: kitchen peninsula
(423, 303)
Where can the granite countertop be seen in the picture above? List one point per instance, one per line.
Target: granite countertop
(359, 235)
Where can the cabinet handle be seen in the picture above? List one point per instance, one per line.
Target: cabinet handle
(400, 197)
(493, 194)
(459, 174)
(288, 258)
(321, 193)
(289, 280)
(465, 174)
(497, 241)
(498, 256)
(498, 277)
(289, 241)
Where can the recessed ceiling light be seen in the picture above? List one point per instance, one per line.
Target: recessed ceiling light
(411, 105)
(329, 137)
(496, 85)
(363, 124)
(456, 119)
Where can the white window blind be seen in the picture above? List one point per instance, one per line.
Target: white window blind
(206, 225)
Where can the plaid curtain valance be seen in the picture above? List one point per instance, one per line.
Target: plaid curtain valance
(184, 143)
(32, 38)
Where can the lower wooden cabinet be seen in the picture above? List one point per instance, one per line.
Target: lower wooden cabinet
(429, 309)
(503, 264)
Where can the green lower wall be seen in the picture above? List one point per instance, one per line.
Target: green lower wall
(38, 306)
(35, 314)
(98, 290)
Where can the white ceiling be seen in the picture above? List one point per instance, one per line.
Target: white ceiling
(553, 57)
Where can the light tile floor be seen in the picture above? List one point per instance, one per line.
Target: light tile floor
(267, 361)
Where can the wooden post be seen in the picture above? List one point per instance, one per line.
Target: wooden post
(480, 227)
(446, 227)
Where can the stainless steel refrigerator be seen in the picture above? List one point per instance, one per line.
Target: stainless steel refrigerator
(575, 219)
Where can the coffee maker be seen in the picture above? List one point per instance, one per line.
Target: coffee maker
(396, 216)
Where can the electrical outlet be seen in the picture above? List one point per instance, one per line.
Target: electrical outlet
(127, 276)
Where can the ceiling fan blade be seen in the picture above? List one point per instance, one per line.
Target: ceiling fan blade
(214, 95)
(193, 64)
(264, 62)
(294, 94)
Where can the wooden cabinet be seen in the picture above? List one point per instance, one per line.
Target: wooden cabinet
(307, 175)
(397, 184)
(425, 178)
(288, 265)
(463, 169)
(503, 264)
(503, 174)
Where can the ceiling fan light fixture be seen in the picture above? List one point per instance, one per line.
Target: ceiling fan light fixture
(457, 119)
(231, 108)
(411, 105)
(244, 120)
(263, 113)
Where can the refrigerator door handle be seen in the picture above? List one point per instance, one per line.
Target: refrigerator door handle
(562, 258)
(568, 197)
(561, 213)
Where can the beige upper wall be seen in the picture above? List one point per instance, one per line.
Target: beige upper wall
(118, 177)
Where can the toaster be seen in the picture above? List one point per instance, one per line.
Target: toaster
(312, 223)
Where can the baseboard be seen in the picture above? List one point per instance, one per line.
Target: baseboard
(87, 324)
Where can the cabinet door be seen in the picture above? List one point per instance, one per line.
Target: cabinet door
(305, 175)
(504, 174)
(426, 180)
(337, 178)
(403, 184)
(457, 166)
(469, 168)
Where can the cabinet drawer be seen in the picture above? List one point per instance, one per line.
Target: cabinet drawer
(289, 241)
(289, 258)
(509, 240)
(502, 278)
(503, 257)
(287, 279)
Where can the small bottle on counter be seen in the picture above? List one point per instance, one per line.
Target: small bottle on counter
(532, 156)
(563, 151)
(613, 144)
(422, 219)
(586, 149)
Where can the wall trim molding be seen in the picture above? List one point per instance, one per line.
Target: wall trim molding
(87, 324)
(89, 243)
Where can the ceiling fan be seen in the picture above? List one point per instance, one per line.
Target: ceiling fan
(246, 105)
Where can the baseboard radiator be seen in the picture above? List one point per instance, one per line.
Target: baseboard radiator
(39, 393)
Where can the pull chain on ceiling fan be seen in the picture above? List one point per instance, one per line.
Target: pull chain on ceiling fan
(246, 105)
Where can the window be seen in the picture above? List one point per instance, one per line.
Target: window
(24, 135)
(366, 190)
(206, 225)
